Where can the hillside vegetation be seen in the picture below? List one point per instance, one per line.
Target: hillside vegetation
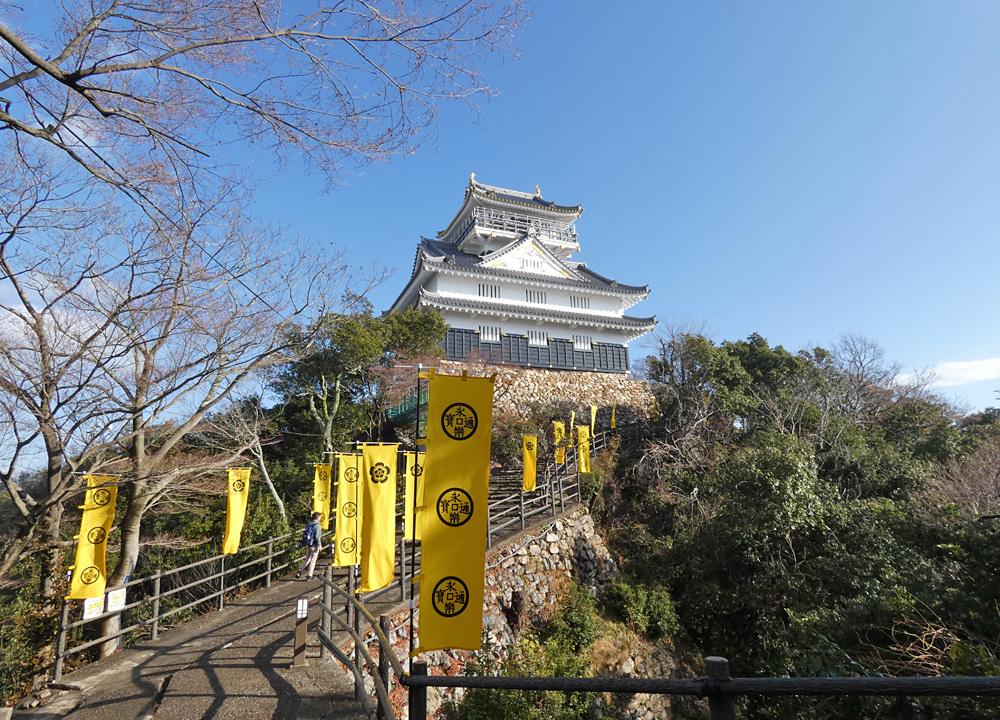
(810, 515)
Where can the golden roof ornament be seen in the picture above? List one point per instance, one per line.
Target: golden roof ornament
(538, 193)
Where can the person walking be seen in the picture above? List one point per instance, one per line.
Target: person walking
(312, 541)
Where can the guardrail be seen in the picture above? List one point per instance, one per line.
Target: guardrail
(210, 579)
(509, 509)
(204, 581)
(717, 686)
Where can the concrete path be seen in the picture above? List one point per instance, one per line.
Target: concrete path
(230, 664)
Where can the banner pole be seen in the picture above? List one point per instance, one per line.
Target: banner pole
(413, 523)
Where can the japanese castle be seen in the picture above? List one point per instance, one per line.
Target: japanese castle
(502, 277)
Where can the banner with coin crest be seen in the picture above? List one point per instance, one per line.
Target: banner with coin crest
(583, 448)
(321, 493)
(414, 483)
(236, 508)
(559, 440)
(457, 468)
(347, 548)
(378, 519)
(90, 576)
(529, 458)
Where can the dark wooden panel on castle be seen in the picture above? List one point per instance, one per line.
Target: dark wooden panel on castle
(558, 354)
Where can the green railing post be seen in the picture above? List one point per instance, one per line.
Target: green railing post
(383, 663)
(222, 580)
(270, 554)
(155, 633)
(61, 640)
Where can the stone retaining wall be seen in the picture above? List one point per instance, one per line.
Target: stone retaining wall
(518, 388)
(524, 579)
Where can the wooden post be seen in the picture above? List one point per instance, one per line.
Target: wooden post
(418, 695)
(301, 624)
(156, 606)
(358, 659)
(903, 709)
(720, 706)
(270, 554)
(520, 497)
(383, 662)
(61, 640)
(402, 566)
(552, 494)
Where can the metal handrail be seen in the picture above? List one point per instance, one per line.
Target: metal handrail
(717, 686)
(278, 546)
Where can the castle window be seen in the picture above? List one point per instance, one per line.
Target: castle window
(489, 333)
(582, 342)
(488, 290)
(538, 337)
(535, 296)
(579, 301)
(530, 264)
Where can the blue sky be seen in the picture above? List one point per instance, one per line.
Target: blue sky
(796, 169)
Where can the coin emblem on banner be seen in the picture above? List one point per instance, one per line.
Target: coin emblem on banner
(459, 421)
(451, 596)
(454, 507)
(97, 535)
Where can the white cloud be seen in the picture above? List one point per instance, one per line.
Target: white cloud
(966, 372)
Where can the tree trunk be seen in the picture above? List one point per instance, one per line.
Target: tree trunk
(52, 565)
(139, 497)
(259, 454)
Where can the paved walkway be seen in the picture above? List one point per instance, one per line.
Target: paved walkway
(230, 664)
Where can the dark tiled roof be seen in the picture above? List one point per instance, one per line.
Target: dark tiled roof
(495, 193)
(435, 299)
(446, 255)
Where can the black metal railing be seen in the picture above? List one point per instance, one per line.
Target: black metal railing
(179, 592)
(717, 686)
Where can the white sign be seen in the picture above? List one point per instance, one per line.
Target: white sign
(116, 600)
(93, 607)
(302, 611)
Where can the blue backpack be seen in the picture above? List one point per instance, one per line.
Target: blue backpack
(309, 535)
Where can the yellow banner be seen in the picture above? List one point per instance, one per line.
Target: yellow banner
(347, 548)
(459, 423)
(593, 418)
(613, 408)
(90, 577)
(378, 519)
(236, 508)
(583, 448)
(414, 481)
(529, 457)
(321, 493)
(559, 440)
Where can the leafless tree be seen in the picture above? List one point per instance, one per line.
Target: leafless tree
(244, 429)
(119, 340)
(146, 94)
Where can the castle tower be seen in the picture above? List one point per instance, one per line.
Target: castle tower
(502, 276)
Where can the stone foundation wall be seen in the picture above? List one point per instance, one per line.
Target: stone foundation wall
(524, 580)
(518, 388)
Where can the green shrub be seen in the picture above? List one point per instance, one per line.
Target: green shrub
(649, 611)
